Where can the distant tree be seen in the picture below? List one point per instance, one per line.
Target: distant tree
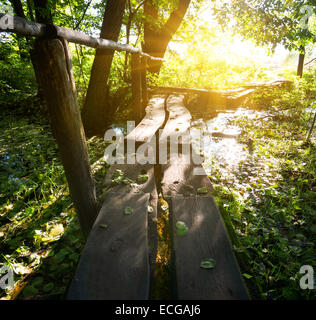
(94, 114)
(270, 23)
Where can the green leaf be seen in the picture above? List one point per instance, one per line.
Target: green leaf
(127, 181)
(208, 263)
(48, 287)
(202, 190)
(128, 210)
(182, 228)
(247, 276)
(30, 291)
(104, 225)
(142, 178)
(57, 230)
(38, 281)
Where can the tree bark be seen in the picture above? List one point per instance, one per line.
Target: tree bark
(136, 86)
(301, 59)
(156, 40)
(311, 128)
(94, 113)
(22, 44)
(56, 75)
(144, 90)
(42, 12)
(18, 10)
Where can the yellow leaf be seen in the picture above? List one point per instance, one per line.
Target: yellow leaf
(57, 230)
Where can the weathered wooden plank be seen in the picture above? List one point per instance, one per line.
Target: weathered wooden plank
(212, 99)
(171, 90)
(154, 118)
(114, 263)
(132, 172)
(178, 123)
(57, 81)
(277, 82)
(181, 164)
(186, 187)
(206, 238)
(181, 177)
(236, 99)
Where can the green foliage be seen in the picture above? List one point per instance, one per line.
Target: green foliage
(268, 203)
(268, 200)
(18, 88)
(298, 97)
(40, 235)
(268, 23)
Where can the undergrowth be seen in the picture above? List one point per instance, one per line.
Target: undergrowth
(269, 201)
(40, 236)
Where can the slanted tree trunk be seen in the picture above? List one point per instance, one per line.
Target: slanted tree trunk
(22, 42)
(301, 59)
(18, 10)
(156, 40)
(55, 70)
(94, 114)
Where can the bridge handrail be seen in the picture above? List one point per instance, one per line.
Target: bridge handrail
(25, 27)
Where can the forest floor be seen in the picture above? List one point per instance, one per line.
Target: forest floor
(267, 200)
(40, 236)
(265, 186)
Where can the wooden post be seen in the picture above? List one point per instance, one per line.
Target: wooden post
(144, 84)
(136, 86)
(55, 70)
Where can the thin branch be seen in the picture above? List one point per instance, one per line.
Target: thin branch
(84, 13)
(309, 62)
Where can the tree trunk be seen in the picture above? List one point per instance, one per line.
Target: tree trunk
(18, 10)
(156, 40)
(42, 12)
(94, 113)
(22, 43)
(56, 75)
(136, 87)
(301, 62)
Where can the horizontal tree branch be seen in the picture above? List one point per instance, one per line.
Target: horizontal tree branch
(309, 62)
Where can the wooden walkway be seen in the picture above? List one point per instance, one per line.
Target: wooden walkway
(118, 261)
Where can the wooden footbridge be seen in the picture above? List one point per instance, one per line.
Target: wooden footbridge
(118, 260)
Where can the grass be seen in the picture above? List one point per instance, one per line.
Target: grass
(40, 236)
(162, 277)
(269, 201)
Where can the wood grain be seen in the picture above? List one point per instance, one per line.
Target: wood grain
(154, 118)
(114, 263)
(136, 86)
(206, 238)
(181, 182)
(55, 71)
(132, 172)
